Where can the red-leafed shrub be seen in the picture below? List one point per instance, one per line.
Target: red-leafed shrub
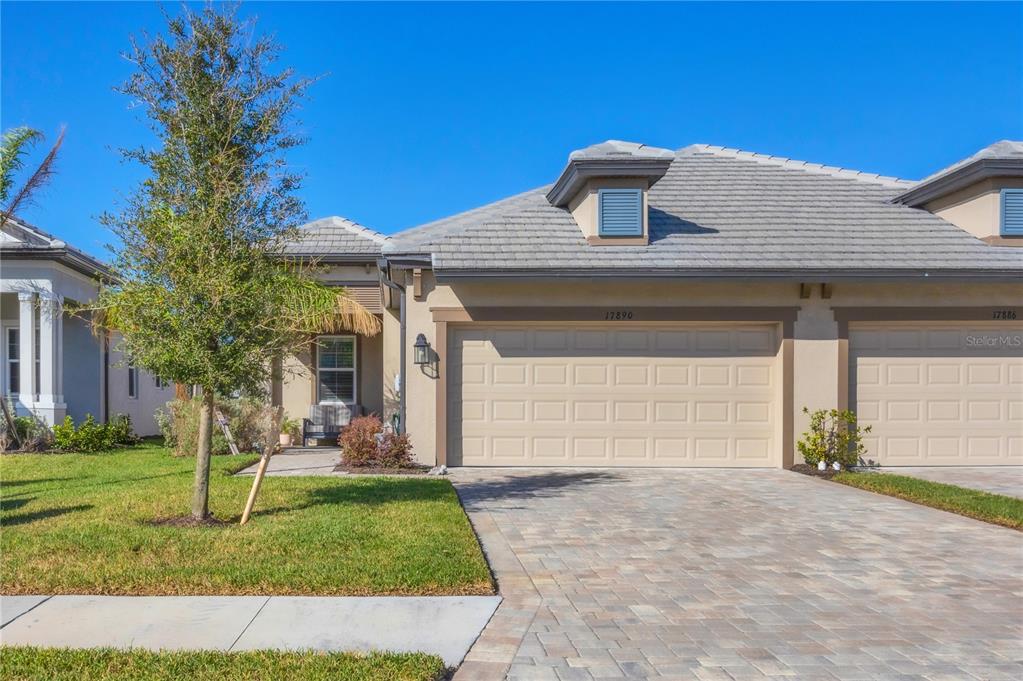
(395, 450)
(358, 441)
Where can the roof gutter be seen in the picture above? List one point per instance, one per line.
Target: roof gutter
(821, 275)
(82, 264)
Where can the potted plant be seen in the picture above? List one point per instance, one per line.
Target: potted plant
(291, 430)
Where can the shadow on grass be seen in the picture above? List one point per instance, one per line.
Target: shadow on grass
(90, 481)
(365, 492)
(529, 486)
(26, 518)
(7, 484)
(13, 504)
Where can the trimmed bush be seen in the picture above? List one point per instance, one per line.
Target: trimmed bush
(359, 441)
(90, 436)
(364, 443)
(395, 450)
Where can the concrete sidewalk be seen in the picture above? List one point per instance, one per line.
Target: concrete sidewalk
(441, 625)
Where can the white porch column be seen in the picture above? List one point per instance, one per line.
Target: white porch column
(50, 404)
(26, 350)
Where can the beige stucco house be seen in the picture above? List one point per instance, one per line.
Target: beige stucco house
(680, 308)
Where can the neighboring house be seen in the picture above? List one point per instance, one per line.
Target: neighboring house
(52, 363)
(680, 308)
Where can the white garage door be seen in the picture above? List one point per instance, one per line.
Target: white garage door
(636, 396)
(939, 394)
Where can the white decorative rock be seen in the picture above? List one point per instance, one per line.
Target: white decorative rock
(822, 466)
(837, 466)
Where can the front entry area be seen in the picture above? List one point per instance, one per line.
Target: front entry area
(694, 394)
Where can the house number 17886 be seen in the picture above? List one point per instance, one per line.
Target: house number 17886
(618, 315)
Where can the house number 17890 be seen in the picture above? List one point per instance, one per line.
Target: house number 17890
(618, 315)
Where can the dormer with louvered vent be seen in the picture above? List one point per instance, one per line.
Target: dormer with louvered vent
(605, 188)
(982, 194)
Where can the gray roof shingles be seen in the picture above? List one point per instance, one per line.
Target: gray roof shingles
(720, 210)
(336, 236)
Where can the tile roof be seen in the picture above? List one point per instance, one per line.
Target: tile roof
(1001, 159)
(1003, 150)
(724, 212)
(336, 236)
(20, 239)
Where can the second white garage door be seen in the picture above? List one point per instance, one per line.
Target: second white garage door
(638, 396)
(942, 394)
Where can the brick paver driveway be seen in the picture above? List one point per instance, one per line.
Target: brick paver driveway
(715, 574)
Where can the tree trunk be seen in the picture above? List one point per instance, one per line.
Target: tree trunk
(201, 492)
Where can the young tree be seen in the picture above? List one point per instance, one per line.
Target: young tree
(205, 297)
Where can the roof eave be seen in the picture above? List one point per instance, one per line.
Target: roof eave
(578, 171)
(975, 171)
(336, 258)
(80, 263)
(793, 274)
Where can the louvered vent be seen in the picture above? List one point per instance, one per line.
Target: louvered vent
(620, 212)
(1012, 212)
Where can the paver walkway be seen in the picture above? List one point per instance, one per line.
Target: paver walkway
(440, 625)
(715, 574)
(997, 479)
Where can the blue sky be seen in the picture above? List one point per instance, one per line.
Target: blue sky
(426, 110)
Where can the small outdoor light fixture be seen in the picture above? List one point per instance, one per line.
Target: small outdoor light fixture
(422, 350)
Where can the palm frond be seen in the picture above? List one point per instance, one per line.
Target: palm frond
(40, 177)
(309, 306)
(15, 145)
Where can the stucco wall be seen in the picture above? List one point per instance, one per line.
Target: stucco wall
(817, 373)
(83, 370)
(976, 208)
(150, 398)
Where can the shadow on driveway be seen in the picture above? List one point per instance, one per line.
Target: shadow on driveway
(521, 485)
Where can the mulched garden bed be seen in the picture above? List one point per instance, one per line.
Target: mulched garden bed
(378, 470)
(807, 469)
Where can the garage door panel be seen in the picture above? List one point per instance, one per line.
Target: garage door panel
(661, 396)
(939, 394)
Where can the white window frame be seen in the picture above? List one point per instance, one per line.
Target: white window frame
(133, 381)
(354, 370)
(5, 380)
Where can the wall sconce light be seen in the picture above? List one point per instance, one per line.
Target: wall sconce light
(422, 350)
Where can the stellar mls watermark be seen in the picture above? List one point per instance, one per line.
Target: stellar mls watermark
(995, 340)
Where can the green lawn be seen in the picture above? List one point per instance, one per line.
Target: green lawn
(17, 664)
(993, 508)
(78, 523)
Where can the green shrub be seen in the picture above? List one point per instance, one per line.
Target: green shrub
(33, 435)
(248, 419)
(833, 436)
(121, 430)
